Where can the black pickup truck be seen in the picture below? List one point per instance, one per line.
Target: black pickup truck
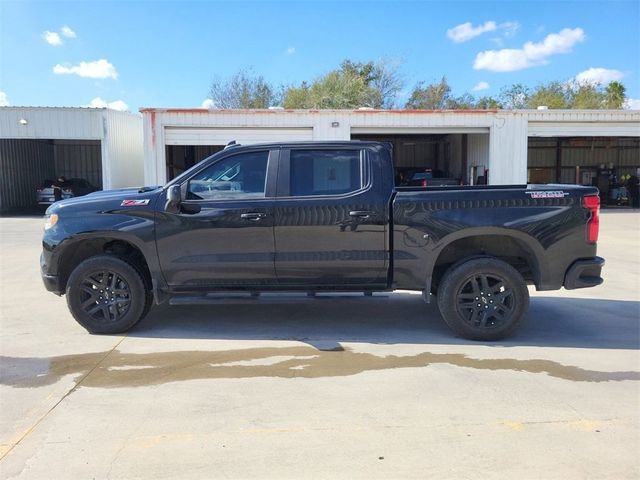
(317, 217)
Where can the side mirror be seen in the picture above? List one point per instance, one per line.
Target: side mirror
(174, 197)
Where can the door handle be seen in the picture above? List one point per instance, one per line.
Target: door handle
(361, 214)
(253, 216)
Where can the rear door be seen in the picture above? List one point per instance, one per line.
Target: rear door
(329, 219)
(222, 237)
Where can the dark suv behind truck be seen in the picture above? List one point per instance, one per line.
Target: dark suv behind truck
(317, 217)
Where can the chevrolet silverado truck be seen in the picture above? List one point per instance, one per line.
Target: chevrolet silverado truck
(319, 217)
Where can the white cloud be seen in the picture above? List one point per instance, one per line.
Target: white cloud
(531, 54)
(290, 51)
(466, 31)
(115, 105)
(510, 28)
(67, 32)
(599, 75)
(4, 101)
(632, 104)
(98, 69)
(208, 103)
(52, 38)
(480, 86)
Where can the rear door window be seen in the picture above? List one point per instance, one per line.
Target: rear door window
(325, 172)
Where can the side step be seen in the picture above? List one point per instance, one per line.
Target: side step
(234, 298)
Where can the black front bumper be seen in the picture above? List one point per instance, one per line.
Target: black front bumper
(51, 282)
(584, 273)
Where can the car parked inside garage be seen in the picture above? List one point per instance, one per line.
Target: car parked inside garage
(73, 187)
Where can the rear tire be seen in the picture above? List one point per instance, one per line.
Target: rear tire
(483, 299)
(105, 294)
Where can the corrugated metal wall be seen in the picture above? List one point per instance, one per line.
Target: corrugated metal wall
(24, 165)
(80, 159)
(478, 150)
(588, 153)
(45, 123)
(122, 150)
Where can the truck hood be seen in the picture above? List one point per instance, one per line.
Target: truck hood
(121, 191)
(107, 200)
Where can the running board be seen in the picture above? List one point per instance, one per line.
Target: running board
(268, 297)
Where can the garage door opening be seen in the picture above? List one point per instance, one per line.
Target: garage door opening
(180, 158)
(603, 162)
(27, 164)
(437, 159)
(186, 146)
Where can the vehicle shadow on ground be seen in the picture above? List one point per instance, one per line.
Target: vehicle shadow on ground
(399, 318)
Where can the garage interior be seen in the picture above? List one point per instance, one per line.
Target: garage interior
(180, 158)
(446, 154)
(27, 163)
(604, 162)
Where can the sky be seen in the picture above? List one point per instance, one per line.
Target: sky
(133, 54)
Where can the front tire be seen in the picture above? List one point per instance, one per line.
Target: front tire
(107, 295)
(483, 299)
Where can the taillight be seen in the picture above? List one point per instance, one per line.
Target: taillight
(423, 183)
(592, 203)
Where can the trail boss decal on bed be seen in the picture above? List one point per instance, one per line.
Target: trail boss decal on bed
(134, 203)
(549, 194)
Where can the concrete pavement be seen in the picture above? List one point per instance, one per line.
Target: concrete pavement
(337, 386)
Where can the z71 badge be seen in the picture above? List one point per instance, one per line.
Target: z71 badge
(134, 203)
(549, 194)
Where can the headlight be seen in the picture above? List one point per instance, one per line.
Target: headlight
(50, 221)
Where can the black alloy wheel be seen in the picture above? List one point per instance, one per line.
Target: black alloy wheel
(106, 294)
(485, 301)
(483, 298)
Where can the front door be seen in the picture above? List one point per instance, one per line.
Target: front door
(222, 237)
(330, 220)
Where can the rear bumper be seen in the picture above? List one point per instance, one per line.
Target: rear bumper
(584, 273)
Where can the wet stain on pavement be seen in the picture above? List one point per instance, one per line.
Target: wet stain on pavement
(117, 370)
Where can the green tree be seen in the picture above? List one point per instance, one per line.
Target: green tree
(465, 101)
(615, 95)
(243, 90)
(333, 90)
(432, 96)
(552, 95)
(387, 82)
(514, 97)
(488, 103)
(587, 96)
(353, 85)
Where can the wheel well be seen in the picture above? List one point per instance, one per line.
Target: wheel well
(84, 249)
(508, 249)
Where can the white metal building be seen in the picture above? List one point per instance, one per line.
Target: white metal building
(40, 143)
(503, 147)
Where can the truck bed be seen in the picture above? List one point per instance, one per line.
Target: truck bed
(432, 227)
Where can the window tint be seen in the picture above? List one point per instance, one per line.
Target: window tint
(325, 172)
(240, 176)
